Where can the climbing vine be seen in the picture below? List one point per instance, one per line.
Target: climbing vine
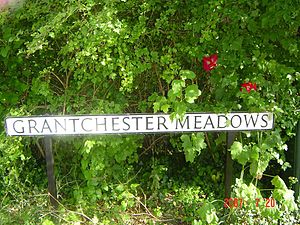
(96, 57)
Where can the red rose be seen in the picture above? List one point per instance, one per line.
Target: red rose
(210, 62)
(249, 86)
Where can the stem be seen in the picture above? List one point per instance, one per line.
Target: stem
(267, 175)
(241, 138)
(266, 189)
(242, 172)
(259, 138)
(209, 147)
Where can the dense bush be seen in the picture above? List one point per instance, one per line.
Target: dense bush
(95, 57)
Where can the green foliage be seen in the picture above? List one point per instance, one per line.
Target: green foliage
(96, 57)
(239, 153)
(208, 213)
(283, 194)
(192, 146)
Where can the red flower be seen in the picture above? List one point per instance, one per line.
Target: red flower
(249, 86)
(210, 62)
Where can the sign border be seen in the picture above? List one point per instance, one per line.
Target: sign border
(134, 133)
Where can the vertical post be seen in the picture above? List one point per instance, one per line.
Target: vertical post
(50, 171)
(297, 160)
(228, 165)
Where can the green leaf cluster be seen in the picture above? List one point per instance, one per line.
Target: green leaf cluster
(101, 57)
(192, 145)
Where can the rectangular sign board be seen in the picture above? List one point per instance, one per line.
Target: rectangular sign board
(136, 123)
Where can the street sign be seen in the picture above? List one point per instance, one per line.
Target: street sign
(136, 123)
(49, 126)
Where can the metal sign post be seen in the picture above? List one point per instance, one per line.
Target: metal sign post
(50, 171)
(229, 165)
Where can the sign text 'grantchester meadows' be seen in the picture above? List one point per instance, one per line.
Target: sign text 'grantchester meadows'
(136, 123)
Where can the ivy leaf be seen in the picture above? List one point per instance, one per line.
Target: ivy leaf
(177, 86)
(283, 194)
(187, 74)
(279, 183)
(186, 141)
(254, 154)
(246, 192)
(239, 153)
(198, 141)
(192, 93)
(7, 33)
(179, 109)
(165, 108)
(208, 213)
(171, 95)
(4, 51)
(156, 106)
(257, 168)
(192, 146)
(188, 148)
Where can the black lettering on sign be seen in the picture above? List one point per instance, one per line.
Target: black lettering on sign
(46, 126)
(137, 121)
(32, 125)
(128, 125)
(263, 119)
(239, 123)
(196, 122)
(251, 118)
(161, 123)
(82, 126)
(186, 121)
(100, 124)
(74, 124)
(223, 122)
(64, 127)
(22, 127)
(209, 122)
(114, 123)
(149, 122)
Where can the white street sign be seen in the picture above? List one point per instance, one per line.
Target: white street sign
(136, 123)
